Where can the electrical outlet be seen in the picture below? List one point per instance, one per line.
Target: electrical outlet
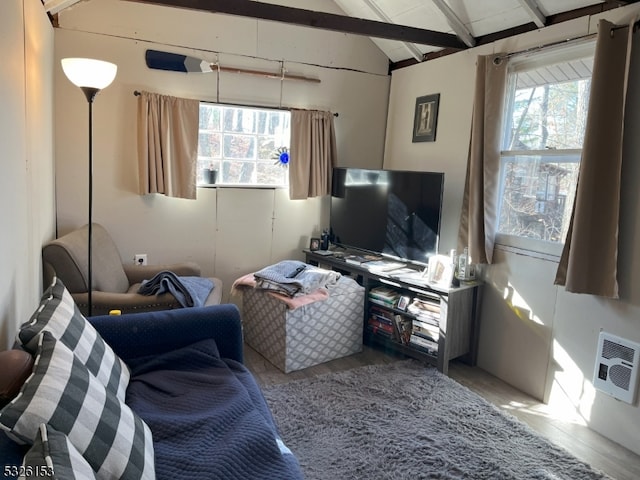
(140, 258)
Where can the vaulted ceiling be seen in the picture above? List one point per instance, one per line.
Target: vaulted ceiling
(407, 31)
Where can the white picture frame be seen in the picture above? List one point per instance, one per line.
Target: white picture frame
(440, 271)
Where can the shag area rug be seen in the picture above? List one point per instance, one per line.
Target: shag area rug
(408, 421)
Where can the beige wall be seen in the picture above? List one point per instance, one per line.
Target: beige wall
(229, 231)
(533, 335)
(26, 183)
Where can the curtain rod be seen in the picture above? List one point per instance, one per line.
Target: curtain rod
(499, 58)
(137, 94)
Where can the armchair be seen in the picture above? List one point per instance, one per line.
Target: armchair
(115, 285)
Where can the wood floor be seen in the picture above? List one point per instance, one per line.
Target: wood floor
(587, 445)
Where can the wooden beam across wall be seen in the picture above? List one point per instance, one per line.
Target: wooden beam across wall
(313, 19)
(528, 27)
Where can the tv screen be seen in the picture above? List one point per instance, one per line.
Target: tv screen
(396, 213)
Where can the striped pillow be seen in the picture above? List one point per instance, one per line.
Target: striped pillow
(59, 315)
(62, 393)
(54, 456)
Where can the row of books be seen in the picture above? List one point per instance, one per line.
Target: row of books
(427, 311)
(420, 329)
(424, 344)
(386, 323)
(404, 329)
(385, 296)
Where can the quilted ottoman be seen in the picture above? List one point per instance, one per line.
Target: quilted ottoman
(308, 335)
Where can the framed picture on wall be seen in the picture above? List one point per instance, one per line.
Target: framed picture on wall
(425, 118)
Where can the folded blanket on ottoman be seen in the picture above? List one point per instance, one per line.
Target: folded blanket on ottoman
(291, 277)
(208, 417)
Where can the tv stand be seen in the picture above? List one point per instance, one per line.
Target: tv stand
(449, 314)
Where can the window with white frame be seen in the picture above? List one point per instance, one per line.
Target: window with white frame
(243, 145)
(544, 123)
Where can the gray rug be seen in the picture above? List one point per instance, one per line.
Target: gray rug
(408, 421)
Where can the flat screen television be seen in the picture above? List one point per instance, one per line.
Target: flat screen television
(396, 213)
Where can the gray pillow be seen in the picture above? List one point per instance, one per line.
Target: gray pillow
(53, 457)
(59, 315)
(63, 394)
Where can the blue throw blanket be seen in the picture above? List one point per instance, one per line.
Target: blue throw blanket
(208, 417)
(189, 291)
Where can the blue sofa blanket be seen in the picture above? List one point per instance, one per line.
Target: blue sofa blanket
(208, 417)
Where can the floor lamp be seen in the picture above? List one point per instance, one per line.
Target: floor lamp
(91, 76)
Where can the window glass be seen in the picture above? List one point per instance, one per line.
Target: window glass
(243, 145)
(537, 196)
(545, 118)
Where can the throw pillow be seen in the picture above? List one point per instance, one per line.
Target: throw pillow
(62, 393)
(54, 457)
(59, 315)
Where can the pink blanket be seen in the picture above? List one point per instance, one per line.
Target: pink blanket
(292, 303)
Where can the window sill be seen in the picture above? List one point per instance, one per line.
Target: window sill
(529, 247)
(241, 185)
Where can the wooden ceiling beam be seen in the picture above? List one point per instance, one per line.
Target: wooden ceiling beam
(54, 6)
(313, 19)
(455, 23)
(510, 32)
(533, 10)
(410, 47)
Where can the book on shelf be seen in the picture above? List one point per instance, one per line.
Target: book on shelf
(419, 305)
(403, 328)
(380, 312)
(426, 330)
(382, 303)
(383, 265)
(381, 327)
(384, 295)
(356, 259)
(424, 343)
(426, 317)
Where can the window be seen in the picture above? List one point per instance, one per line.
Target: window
(242, 144)
(546, 110)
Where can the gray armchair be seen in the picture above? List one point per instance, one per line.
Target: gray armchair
(115, 284)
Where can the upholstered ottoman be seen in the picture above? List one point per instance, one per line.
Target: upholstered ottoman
(293, 339)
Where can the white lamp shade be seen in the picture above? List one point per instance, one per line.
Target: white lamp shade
(87, 72)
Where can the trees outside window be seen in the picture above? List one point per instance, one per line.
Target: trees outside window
(240, 144)
(547, 102)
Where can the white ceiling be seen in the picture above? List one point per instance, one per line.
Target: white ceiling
(476, 18)
(468, 20)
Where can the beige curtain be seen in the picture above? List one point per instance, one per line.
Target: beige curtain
(590, 255)
(313, 154)
(479, 217)
(167, 145)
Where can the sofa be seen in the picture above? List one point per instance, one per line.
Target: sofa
(136, 396)
(115, 284)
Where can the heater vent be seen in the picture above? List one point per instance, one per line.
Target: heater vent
(615, 350)
(617, 364)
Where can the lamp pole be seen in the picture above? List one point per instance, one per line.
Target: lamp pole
(90, 93)
(90, 76)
